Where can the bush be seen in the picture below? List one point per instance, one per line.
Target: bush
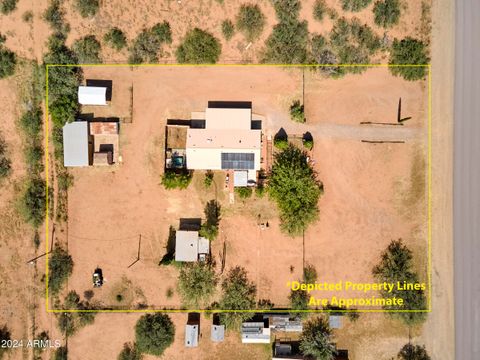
(154, 333)
(27, 16)
(298, 300)
(287, 10)
(176, 180)
(8, 60)
(199, 47)
(243, 192)
(309, 274)
(208, 180)
(297, 112)
(295, 189)
(260, 190)
(413, 352)
(87, 8)
(60, 267)
(5, 162)
(355, 5)
(130, 352)
(238, 294)
(407, 52)
(31, 122)
(308, 144)
(287, 44)
(32, 202)
(251, 21)
(55, 16)
(387, 13)
(8, 6)
(147, 45)
(196, 284)
(33, 157)
(61, 353)
(115, 38)
(228, 29)
(319, 9)
(280, 143)
(87, 50)
(316, 340)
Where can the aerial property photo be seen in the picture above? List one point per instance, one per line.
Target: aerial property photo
(269, 179)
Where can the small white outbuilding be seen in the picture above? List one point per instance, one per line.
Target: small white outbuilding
(92, 95)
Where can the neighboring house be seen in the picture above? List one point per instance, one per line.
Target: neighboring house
(255, 332)
(92, 95)
(190, 247)
(90, 143)
(285, 323)
(218, 333)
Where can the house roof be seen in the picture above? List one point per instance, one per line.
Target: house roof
(218, 333)
(186, 245)
(223, 139)
(92, 95)
(75, 144)
(191, 335)
(228, 119)
(103, 128)
(203, 245)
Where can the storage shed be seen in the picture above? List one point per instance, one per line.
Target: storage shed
(92, 95)
(75, 144)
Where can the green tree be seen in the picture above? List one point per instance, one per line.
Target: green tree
(238, 294)
(8, 60)
(309, 274)
(60, 266)
(199, 47)
(154, 333)
(298, 300)
(31, 122)
(228, 29)
(87, 8)
(409, 51)
(319, 9)
(297, 112)
(8, 6)
(413, 352)
(287, 44)
(196, 284)
(209, 228)
(294, 187)
(387, 13)
(87, 50)
(250, 21)
(316, 340)
(32, 202)
(286, 10)
(149, 42)
(130, 352)
(115, 38)
(355, 5)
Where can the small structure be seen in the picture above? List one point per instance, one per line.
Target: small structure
(92, 95)
(105, 142)
(218, 333)
(286, 350)
(75, 144)
(192, 330)
(335, 321)
(255, 332)
(285, 324)
(190, 247)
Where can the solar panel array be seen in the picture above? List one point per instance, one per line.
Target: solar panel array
(238, 161)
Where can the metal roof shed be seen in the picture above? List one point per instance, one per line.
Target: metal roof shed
(186, 245)
(75, 144)
(92, 95)
(191, 335)
(218, 333)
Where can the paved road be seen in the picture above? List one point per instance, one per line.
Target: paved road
(466, 203)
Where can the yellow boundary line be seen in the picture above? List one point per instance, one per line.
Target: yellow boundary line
(429, 197)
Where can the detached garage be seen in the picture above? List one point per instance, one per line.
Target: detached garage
(92, 95)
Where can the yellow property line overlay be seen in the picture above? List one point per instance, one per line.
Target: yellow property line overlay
(429, 196)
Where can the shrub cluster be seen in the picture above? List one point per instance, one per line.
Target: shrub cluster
(196, 284)
(8, 6)
(8, 60)
(60, 267)
(87, 8)
(55, 16)
(154, 333)
(199, 47)
(297, 112)
(148, 43)
(355, 5)
(244, 192)
(115, 38)
(250, 21)
(87, 50)
(319, 9)
(228, 29)
(387, 13)
(409, 51)
(70, 322)
(176, 179)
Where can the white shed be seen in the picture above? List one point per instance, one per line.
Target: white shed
(92, 95)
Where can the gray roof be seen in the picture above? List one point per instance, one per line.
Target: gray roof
(186, 245)
(238, 161)
(191, 335)
(240, 178)
(218, 333)
(335, 321)
(75, 144)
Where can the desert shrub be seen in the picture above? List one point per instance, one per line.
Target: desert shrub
(87, 50)
(319, 9)
(297, 112)
(8, 60)
(31, 122)
(55, 16)
(64, 180)
(154, 333)
(66, 323)
(316, 340)
(294, 187)
(413, 352)
(176, 180)
(386, 13)
(61, 353)
(260, 190)
(4, 337)
(32, 202)
(287, 44)
(396, 265)
(196, 284)
(286, 10)
(298, 300)
(228, 29)
(5, 162)
(148, 43)
(130, 352)
(87, 8)
(353, 315)
(409, 51)
(355, 5)
(115, 38)
(60, 267)
(238, 294)
(199, 47)
(208, 180)
(27, 16)
(8, 6)
(33, 158)
(209, 228)
(250, 21)
(243, 192)
(280, 143)
(309, 274)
